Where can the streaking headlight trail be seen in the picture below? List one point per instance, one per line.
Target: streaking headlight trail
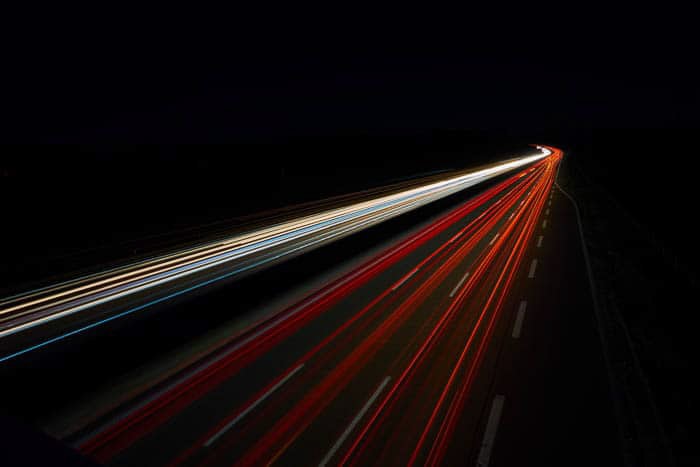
(118, 292)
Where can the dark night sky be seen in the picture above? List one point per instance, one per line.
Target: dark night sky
(269, 73)
(168, 75)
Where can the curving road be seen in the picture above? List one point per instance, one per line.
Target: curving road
(37, 318)
(470, 341)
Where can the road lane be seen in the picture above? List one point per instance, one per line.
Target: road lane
(559, 409)
(388, 338)
(315, 332)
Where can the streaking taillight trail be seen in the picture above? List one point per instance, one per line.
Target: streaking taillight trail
(443, 307)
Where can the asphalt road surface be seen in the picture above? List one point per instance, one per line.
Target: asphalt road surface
(470, 342)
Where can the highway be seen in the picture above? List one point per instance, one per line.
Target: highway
(37, 318)
(469, 341)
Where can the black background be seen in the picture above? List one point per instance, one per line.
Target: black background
(299, 102)
(122, 121)
(186, 74)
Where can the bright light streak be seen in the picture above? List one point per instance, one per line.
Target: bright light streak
(502, 260)
(192, 268)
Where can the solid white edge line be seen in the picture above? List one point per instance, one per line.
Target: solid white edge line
(616, 385)
(533, 266)
(251, 407)
(490, 432)
(517, 327)
(354, 423)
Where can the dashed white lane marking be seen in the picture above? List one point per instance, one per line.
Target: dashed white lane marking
(461, 281)
(511, 216)
(546, 213)
(252, 406)
(544, 224)
(490, 432)
(533, 266)
(539, 241)
(520, 317)
(354, 422)
(494, 238)
(408, 276)
(550, 203)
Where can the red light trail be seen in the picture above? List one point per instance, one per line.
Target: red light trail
(394, 372)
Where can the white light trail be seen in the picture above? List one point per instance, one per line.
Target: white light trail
(239, 253)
